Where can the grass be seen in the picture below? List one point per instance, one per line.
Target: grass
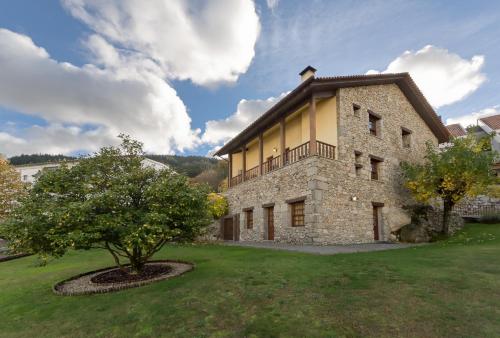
(450, 288)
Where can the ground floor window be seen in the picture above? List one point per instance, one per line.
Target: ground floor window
(298, 218)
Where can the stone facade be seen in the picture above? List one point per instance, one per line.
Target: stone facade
(338, 198)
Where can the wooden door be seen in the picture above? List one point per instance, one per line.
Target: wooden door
(376, 223)
(270, 223)
(228, 229)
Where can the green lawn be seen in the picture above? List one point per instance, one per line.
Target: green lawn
(446, 289)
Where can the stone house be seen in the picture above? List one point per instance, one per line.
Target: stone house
(322, 165)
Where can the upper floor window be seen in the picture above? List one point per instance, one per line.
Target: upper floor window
(356, 108)
(357, 162)
(373, 123)
(375, 168)
(298, 218)
(249, 218)
(406, 137)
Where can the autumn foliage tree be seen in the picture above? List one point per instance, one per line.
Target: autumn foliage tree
(462, 168)
(218, 205)
(11, 188)
(109, 201)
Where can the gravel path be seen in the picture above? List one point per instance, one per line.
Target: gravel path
(325, 249)
(82, 285)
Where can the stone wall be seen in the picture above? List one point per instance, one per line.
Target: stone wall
(338, 201)
(276, 187)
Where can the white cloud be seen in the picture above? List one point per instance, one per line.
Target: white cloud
(272, 4)
(6, 138)
(136, 48)
(471, 119)
(247, 111)
(127, 100)
(443, 77)
(206, 42)
(55, 139)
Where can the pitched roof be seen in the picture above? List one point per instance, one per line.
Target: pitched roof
(456, 130)
(492, 121)
(321, 84)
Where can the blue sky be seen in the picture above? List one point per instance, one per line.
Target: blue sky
(135, 67)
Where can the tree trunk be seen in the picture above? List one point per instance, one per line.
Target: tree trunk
(447, 206)
(115, 257)
(136, 265)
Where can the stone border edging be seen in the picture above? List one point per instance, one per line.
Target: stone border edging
(96, 288)
(11, 257)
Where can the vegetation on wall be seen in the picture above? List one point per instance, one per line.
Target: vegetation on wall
(109, 201)
(461, 169)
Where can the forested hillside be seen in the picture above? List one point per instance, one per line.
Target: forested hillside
(199, 168)
(38, 158)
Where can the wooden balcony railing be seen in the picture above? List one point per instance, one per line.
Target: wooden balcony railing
(271, 165)
(252, 173)
(297, 153)
(294, 155)
(236, 180)
(325, 150)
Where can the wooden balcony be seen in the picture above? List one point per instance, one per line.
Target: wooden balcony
(291, 156)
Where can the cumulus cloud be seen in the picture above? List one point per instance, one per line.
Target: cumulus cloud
(206, 42)
(272, 4)
(55, 139)
(247, 111)
(135, 49)
(114, 101)
(443, 77)
(471, 119)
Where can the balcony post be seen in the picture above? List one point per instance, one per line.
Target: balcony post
(244, 159)
(261, 154)
(312, 126)
(230, 169)
(282, 141)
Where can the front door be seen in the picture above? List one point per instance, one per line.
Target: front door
(270, 223)
(376, 223)
(228, 229)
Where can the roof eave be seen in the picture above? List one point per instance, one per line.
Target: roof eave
(403, 80)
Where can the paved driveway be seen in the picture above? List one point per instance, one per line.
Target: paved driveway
(324, 249)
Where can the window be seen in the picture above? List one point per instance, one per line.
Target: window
(375, 168)
(297, 214)
(406, 137)
(373, 124)
(249, 219)
(357, 162)
(356, 108)
(25, 177)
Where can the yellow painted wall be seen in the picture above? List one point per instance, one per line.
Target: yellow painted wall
(237, 164)
(326, 121)
(296, 133)
(293, 130)
(305, 124)
(272, 140)
(252, 154)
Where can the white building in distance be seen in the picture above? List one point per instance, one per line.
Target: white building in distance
(30, 172)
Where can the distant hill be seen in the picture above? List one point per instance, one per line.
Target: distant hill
(191, 166)
(38, 158)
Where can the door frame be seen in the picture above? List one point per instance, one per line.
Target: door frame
(236, 227)
(377, 208)
(267, 208)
